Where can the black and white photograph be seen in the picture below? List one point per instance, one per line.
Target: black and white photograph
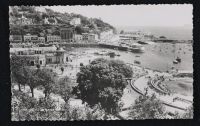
(107, 62)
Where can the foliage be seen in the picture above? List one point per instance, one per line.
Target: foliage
(63, 88)
(25, 107)
(18, 66)
(147, 107)
(32, 79)
(101, 82)
(189, 113)
(86, 113)
(63, 18)
(47, 79)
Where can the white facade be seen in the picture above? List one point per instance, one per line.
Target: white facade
(53, 38)
(78, 37)
(75, 21)
(85, 36)
(41, 39)
(30, 38)
(92, 37)
(24, 21)
(46, 21)
(15, 38)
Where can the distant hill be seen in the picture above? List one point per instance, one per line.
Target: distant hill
(38, 14)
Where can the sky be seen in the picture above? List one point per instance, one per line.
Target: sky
(135, 15)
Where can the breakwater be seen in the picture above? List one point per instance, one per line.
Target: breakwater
(79, 44)
(93, 45)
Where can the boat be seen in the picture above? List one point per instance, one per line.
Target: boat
(145, 42)
(142, 42)
(175, 62)
(136, 48)
(137, 62)
(178, 59)
(123, 47)
(111, 54)
(118, 54)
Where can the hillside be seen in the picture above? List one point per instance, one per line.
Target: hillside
(37, 17)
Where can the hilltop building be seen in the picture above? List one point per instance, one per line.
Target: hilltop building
(75, 21)
(51, 20)
(24, 21)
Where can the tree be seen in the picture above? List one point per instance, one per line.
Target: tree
(101, 83)
(148, 107)
(32, 79)
(63, 88)
(47, 79)
(17, 65)
(189, 113)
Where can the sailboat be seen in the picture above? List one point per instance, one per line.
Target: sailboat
(177, 60)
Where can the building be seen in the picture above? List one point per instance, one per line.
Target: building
(51, 20)
(67, 34)
(41, 39)
(75, 21)
(78, 37)
(92, 37)
(53, 38)
(24, 21)
(57, 57)
(33, 50)
(32, 56)
(85, 36)
(30, 38)
(15, 38)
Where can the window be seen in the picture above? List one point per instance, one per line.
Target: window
(40, 62)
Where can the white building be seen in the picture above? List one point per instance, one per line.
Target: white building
(47, 20)
(92, 37)
(30, 38)
(78, 37)
(85, 36)
(24, 21)
(41, 39)
(15, 38)
(53, 38)
(75, 21)
(59, 56)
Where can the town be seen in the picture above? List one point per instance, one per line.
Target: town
(60, 63)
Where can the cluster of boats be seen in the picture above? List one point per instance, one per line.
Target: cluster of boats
(135, 48)
(177, 60)
(107, 53)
